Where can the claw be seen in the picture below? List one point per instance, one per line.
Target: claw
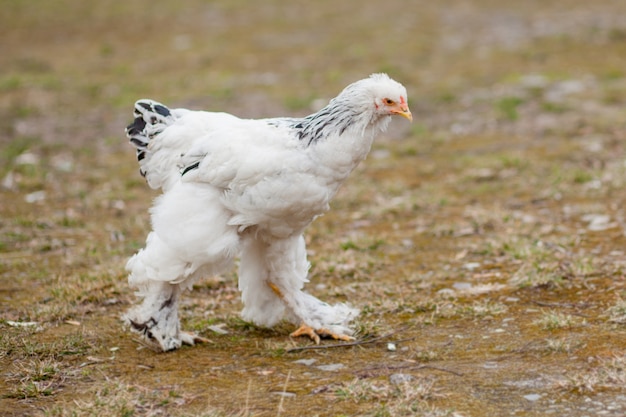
(305, 330)
(327, 333)
(190, 339)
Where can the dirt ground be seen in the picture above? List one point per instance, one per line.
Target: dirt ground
(484, 243)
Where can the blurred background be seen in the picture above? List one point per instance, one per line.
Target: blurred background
(59, 56)
(518, 139)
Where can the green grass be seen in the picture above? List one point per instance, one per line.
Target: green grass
(508, 107)
(488, 188)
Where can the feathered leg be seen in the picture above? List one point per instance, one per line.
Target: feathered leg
(287, 270)
(261, 305)
(157, 317)
(191, 239)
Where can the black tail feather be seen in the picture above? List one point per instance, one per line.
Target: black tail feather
(151, 118)
(138, 142)
(162, 110)
(136, 127)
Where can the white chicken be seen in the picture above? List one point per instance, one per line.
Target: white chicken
(247, 188)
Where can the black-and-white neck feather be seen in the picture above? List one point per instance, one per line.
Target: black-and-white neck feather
(352, 109)
(334, 119)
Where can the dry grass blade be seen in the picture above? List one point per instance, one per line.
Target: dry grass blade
(490, 232)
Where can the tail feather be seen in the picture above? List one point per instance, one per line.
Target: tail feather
(151, 118)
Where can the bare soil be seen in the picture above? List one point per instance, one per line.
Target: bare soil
(484, 243)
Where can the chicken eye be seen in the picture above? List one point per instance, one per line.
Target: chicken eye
(388, 101)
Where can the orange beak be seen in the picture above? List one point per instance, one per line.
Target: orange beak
(403, 110)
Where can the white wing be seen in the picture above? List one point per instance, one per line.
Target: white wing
(268, 176)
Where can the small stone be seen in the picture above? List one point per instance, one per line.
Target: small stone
(598, 222)
(118, 205)
(532, 397)
(407, 243)
(470, 266)
(306, 362)
(462, 285)
(331, 367)
(27, 158)
(63, 163)
(35, 197)
(391, 347)
(398, 379)
(8, 182)
(447, 292)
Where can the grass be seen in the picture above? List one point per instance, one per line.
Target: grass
(508, 107)
(617, 312)
(34, 378)
(124, 400)
(482, 309)
(561, 346)
(465, 237)
(403, 399)
(604, 374)
(42, 369)
(555, 321)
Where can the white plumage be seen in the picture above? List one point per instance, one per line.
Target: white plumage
(247, 188)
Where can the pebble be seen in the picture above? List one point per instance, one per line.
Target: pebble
(306, 362)
(462, 285)
(8, 181)
(532, 397)
(528, 383)
(63, 163)
(27, 158)
(397, 379)
(598, 222)
(332, 367)
(470, 266)
(407, 243)
(34, 197)
(447, 292)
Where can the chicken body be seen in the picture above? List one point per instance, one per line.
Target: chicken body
(247, 188)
